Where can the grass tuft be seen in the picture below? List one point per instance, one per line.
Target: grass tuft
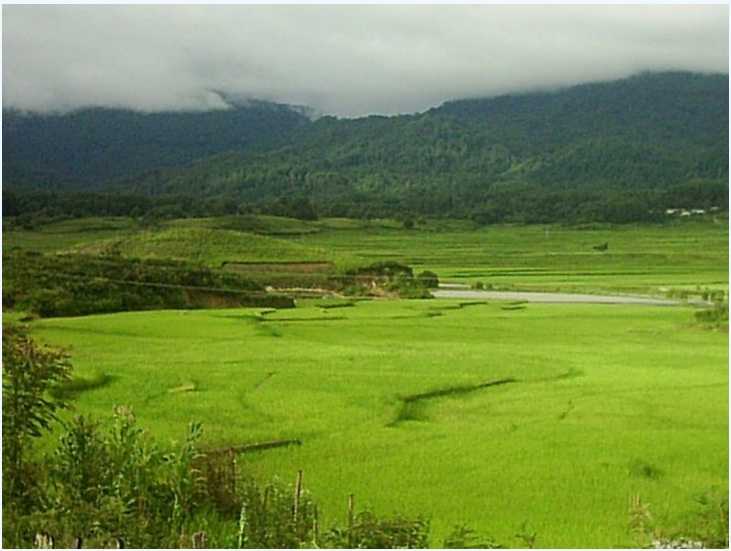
(639, 468)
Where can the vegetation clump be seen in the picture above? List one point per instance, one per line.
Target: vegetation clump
(387, 277)
(30, 373)
(429, 279)
(715, 316)
(704, 526)
(68, 285)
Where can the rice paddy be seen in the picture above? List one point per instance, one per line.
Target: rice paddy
(397, 402)
(511, 418)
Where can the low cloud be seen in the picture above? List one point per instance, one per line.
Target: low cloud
(343, 60)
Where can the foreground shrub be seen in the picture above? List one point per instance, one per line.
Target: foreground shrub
(276, 516)
(706, 525)
(30, 373)
(108, 484)
(367, 531)
(112, 482)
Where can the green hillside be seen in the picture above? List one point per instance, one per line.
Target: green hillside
(88, 146)
(617, 152)
(210, 247)
(594, 151)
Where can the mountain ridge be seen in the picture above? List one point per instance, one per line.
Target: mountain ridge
(87, 146)
(587, 144)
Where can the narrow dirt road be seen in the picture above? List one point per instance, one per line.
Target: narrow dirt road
(559, 298)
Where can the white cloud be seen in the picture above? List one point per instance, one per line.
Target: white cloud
(346, 60)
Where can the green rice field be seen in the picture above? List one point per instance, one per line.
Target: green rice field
(647, 259)
(639, 259)
(391, 402)
(510, 418)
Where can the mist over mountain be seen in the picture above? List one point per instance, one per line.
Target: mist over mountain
(345, 60)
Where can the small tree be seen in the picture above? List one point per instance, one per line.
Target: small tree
(429, 279)
(30, 371)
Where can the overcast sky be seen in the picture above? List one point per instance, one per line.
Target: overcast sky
(343, 60)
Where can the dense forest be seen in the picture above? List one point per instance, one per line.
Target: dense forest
(87, 147)
(619, 151)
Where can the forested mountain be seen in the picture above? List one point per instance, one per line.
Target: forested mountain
(90, 146)
(615, 151)
(649, 132)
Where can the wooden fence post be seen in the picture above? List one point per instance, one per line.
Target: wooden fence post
(297, 492)
(43, 541)
(351, 506)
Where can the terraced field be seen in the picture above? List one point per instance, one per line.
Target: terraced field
(641, 259)
(512, 418)
(208, 246)
(647, 259)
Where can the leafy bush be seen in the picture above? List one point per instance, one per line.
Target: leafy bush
(706, 525)
(30, 373)
(716, 316)
(276, 516)
(428, 279)
(109, 482)
(67, 285)
(367, 531)
(389, 276)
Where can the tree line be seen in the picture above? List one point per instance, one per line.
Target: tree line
(519, 203)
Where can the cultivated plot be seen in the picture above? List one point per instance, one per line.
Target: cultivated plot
(492, 414)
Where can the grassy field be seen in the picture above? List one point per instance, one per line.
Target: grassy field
(68, 233)
(389, 398)
(211, 247)
(646, 259)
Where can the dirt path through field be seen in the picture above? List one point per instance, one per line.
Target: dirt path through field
(560, 298)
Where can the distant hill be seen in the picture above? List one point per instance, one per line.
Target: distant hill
(651, 131)
(612, 151)
(90, 146)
